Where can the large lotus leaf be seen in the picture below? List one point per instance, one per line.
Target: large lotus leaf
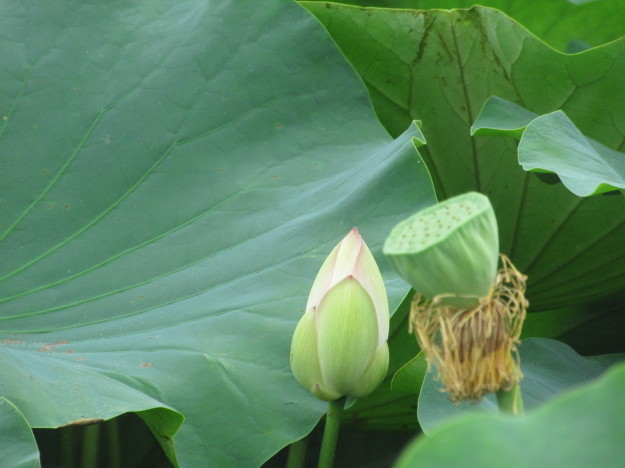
(440, 67)
(580, 428)
(563, 24)
(172, 177)
(18, 448)
(549, 369)
(602, 333)
(552, 143)
(588, 330)
(501, 117)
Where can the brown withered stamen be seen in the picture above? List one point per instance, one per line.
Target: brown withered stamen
(474, 350)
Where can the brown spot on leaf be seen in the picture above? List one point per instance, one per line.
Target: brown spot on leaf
(9, 342)
(58, 343)
(48, 346)
(146, 364)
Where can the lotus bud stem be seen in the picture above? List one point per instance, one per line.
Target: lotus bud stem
(331, 433)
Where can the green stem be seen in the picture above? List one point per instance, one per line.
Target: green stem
(510, 401)
(68, 448)
(297, 454)
(331, 433)
(114, 451)
(90, 440)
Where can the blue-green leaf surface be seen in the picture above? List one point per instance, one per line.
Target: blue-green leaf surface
(18, 448)
(580, 428)
(172, 176)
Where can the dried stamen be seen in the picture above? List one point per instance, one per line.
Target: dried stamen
(475, 350)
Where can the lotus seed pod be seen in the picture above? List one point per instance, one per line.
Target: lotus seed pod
(449, 250)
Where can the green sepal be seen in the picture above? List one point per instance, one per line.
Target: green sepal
(324, 393)
(374, 374)
(347, 335)
(304, 356)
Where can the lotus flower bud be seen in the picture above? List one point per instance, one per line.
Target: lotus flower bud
(450, 250)
(340, 346)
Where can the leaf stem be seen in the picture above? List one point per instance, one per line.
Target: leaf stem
(90, 442)
(68, 447)
(113, 449)
(297, 454)
(331, 433)
(510, 401)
